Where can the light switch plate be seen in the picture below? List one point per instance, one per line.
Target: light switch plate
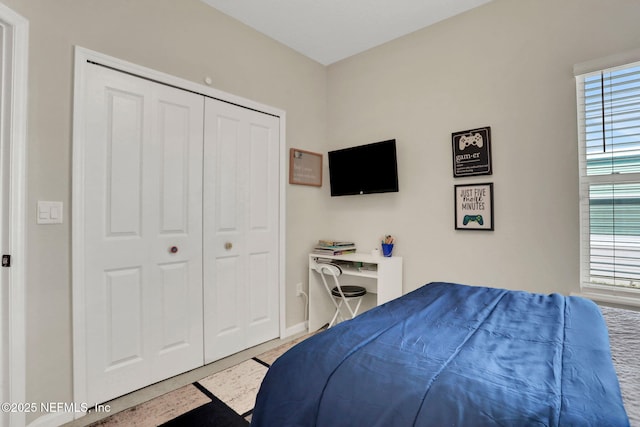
(49, 213)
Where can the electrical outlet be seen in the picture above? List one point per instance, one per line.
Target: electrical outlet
(299, 289)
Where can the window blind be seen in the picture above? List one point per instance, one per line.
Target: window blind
(609, 138)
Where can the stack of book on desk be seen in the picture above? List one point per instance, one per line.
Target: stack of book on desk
(332, 247)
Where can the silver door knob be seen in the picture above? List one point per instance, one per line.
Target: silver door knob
(228, 245)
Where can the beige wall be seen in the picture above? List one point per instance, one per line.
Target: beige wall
(184, 38)
(508, 65)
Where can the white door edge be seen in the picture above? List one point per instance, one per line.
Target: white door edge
(283, 227)
(15, 118)
(82, 56)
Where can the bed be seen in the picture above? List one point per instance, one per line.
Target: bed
(451, 355)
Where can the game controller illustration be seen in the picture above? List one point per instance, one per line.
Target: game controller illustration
(467, 140)
(476, 218)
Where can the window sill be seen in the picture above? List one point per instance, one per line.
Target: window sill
(604, 294)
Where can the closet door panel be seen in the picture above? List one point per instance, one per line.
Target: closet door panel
(115, 269)
(241, 203)
(174, 138)
(174, 325)
(175, 231)
(123, 153)
(123, 317)
(262, 230)
(258, 293)
(224, 222)
(226, 158)
(142, 148)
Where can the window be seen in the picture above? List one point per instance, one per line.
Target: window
(609, 138)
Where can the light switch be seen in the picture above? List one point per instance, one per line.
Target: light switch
(53, 212)
(49, 212)
(43, 213)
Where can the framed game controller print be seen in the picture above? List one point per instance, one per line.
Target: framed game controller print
(472, 152)
(474, 207)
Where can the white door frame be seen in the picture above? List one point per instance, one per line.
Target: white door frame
(83, 55)
(14, 52)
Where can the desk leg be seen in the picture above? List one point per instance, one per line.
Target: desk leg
(321, 309)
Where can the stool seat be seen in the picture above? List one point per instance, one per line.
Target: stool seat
(349, 291)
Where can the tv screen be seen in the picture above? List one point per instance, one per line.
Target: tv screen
(364, 169)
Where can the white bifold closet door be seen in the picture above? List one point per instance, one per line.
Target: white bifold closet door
(181, 230)
(143, 227)
(241, 236)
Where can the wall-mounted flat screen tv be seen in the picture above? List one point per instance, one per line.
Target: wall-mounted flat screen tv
(365, 169)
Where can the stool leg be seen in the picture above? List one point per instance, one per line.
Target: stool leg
(337, 313)
(355, 312)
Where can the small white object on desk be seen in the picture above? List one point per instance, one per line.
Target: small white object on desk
(375, 252)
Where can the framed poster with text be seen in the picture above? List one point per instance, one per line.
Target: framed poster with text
(474, 207)
(472, 152)
(305, 167)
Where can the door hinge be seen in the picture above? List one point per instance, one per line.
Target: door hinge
(6, 260)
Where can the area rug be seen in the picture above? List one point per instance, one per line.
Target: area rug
(158, 410)
(213, 414)
(237, 386)
(224, 399)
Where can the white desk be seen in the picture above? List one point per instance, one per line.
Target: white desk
(381, 276)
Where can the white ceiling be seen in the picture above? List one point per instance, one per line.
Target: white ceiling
(330, 30)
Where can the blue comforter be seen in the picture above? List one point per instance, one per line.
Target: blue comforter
(451, 355)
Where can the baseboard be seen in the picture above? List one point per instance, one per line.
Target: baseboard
(300, 328)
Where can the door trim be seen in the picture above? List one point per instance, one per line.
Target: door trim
(82, 57)
(15, 55)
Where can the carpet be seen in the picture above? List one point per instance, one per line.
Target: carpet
(624, 339)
